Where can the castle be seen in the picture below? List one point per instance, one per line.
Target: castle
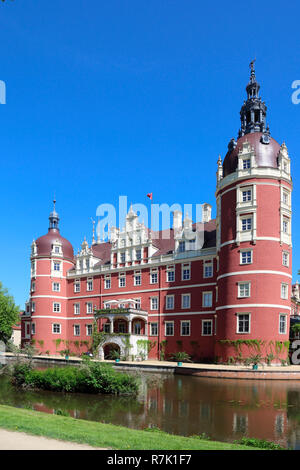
(152, 296)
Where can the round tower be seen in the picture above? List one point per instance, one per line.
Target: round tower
(51, 257)
(254, 240)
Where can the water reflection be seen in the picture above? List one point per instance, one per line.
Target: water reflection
(225, 410)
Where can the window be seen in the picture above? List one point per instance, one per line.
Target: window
(56, 287)
(282, 324)
(56, 328)
(285, 225)
(122, 327)
(170, 274)
(185, 272)
(169, 328)
(137, 278)
(77, 286)
(185, 300)
(56, 266)
(137, 328)
(90, 284)
(246, 195)
(89, 307)
(33, 328)
(207, 299)
(244, 289)
(154, 303)
(185, 328)
(243, 323)
(169, 302)
(33, 287)
(89, 330)
(122, 280)
(153, 329)
(285, 258)
(122, 257)
(208, 270)
(107, 282)
(76, 309)
(246, 164)
(246, 224)
(206, 327)
(106, 327)
(138, 304)
(285, 198)
(153, 276)
(56, 307)
(181, 247)
(246, 257)
(76, 330)
(284, 291)
(33, 306)
(138, 254)
(56, 249)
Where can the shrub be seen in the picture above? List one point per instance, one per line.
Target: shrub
(88, 378)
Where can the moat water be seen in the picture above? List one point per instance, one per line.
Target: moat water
(223, 409)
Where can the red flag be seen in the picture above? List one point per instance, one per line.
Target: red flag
(150, 196)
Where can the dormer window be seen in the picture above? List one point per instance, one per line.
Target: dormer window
(246, 163)
(181, 247)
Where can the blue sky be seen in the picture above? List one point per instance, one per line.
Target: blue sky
(126, 97)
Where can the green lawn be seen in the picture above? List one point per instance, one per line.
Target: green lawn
(101, 435)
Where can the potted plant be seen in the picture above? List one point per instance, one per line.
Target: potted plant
(114, 355)
(255, 360)
(180, 357)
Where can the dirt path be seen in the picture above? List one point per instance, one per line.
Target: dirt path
(10, 440)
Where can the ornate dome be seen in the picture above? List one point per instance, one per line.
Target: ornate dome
(266, 153)
(45, 243)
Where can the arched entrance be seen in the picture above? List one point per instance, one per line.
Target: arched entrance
(111, 351)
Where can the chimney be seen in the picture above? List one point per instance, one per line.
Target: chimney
(206, 212)
(177, 220)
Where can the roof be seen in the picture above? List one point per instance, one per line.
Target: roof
(44, 244)
(266, 154)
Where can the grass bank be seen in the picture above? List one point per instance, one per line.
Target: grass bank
(101, 435)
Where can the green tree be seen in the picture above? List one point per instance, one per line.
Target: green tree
(9, 314)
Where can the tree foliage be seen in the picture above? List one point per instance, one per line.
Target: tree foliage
(9, 314)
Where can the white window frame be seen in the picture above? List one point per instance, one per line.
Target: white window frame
(170, 270)
(167, 323)
(209, 322)
(154, 276)
(187, 322)
(154, 325)
(54, 308)
(90, 283)
(122, 280)
(137, 278)
(54, 325)
(241, 256)
(169, 297)
(185, 296)
(89, 308)
(53, 286)
(186, 272)
(77, 286)
(285, 323)
(238, 315)
(208, 265)
(242, 289)
(74, 330)
(77, 308)
(203, 298)
(33, 329)
(287, 264)
(153, 302)
(284, 291)
(87, 330)
(107, 282)
(246, 218)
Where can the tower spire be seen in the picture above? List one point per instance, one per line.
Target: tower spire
(54, 218)
(253, 112)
